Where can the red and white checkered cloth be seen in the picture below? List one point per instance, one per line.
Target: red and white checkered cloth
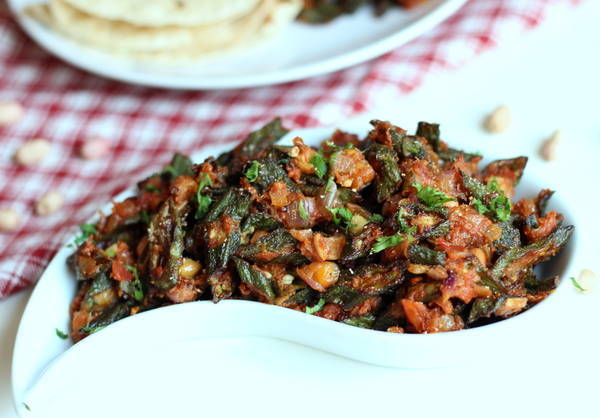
(66, 106)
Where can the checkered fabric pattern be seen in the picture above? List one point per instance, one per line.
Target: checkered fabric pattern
(66, 106)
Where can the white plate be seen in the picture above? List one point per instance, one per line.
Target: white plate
(301, 51)
(45, 366)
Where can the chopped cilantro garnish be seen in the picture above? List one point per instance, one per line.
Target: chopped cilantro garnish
(136, 285)
(92, 330)
(152, 189)
(481, 208)
(320, 163)
(386, 242)
(253, 171)
(494, 186)
(376, 217)
(87, 230)
(341, 216)
(61, 334)
(501, 207)
(110, 253)
(577, 285)
(314, 309)
(204, 201)
(431, 197)
(302, 210)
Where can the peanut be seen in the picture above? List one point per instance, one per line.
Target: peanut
(9, 220)
(549, 148)
(189, 268)
(588, 280)
(49, 203)
(10, 112)
(499, 120)
(94, 148)
(32, 152)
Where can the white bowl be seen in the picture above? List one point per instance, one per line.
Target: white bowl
(43, 363)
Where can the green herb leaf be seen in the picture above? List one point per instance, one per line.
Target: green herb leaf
(431, 197)
(152, 189)
(577, 285)
(314, 309)
(87, 230)
(478, 204)
(136, 285)
(110, 253)
(302, 210)
(386, 242)
(376, 217)
(501, 207)
(253, 171)
(204, 201)
(61, 334)
(341, 216)
(320, 164)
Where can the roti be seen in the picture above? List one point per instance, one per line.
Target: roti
(120, 36)
(166, 12)
(169, 42)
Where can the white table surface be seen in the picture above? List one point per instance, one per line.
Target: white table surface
(551, 80)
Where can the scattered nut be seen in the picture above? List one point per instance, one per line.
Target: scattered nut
(499, 120)
(49, 203)
(9, 220)
(587, 280)
(549, 147)
(10, 112)
(32, 152)
(94, 148)
(437, 273)
(294, 152)
(287, 279)
(417, 268)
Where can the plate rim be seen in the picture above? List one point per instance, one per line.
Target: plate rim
(373, 50)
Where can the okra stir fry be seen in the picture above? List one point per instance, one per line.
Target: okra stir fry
(394, 232)
(322, 11)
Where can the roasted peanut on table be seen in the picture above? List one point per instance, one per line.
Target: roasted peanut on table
(499, 120)
(9, 220)
(32, 152)
(10, 112)
(49, 203)
(94, 148)
(588, 280)
(549, 147)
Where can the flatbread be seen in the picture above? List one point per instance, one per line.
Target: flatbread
(274, 22)
(116, 36)
(163, 44)
(166, 12)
